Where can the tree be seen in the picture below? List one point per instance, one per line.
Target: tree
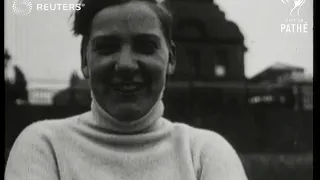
(74, 79)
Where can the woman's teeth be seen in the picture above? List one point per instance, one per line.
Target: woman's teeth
(129, 88)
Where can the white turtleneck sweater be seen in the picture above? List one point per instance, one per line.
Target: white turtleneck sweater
(95, 146)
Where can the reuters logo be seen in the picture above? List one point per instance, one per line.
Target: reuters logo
(22, 7)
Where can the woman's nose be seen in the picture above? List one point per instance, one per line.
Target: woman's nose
(126, 60)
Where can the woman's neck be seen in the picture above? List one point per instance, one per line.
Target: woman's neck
(149, 122)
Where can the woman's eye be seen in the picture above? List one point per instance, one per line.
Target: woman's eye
(107, 48)
(146, 47)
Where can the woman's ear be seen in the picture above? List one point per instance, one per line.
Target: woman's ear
(84, 64)
(172, 59)
(84, 58)
(85, 71)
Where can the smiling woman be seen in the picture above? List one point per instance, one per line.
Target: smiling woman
(127, 54)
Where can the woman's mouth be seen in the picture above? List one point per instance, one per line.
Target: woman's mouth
(128, 87)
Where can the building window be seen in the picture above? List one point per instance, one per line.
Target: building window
(221, 62)
(191, 28)
(194, 59)
(220, 71)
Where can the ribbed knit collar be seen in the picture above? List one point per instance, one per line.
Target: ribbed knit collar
(151, 121)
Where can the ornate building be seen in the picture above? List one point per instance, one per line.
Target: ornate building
(209, 47)
(210, 58)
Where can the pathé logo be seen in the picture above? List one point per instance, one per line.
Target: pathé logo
(295, 6)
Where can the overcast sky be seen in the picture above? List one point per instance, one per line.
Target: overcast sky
(43, 46)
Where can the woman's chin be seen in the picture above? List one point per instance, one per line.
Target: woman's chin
(128, 112)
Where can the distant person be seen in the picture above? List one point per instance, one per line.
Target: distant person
(15, 82)
(127, 54)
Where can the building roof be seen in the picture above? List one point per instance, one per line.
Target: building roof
(274, 71)
(207, 19)
(282, 66)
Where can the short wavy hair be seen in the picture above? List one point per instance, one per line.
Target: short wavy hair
(83, 17)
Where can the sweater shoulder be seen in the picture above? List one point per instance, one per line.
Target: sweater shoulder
(209, 147)
(47, 128)
(199, 136)
(33, 152)
(204, 142)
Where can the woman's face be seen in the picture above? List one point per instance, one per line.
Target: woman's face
(128, 59)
